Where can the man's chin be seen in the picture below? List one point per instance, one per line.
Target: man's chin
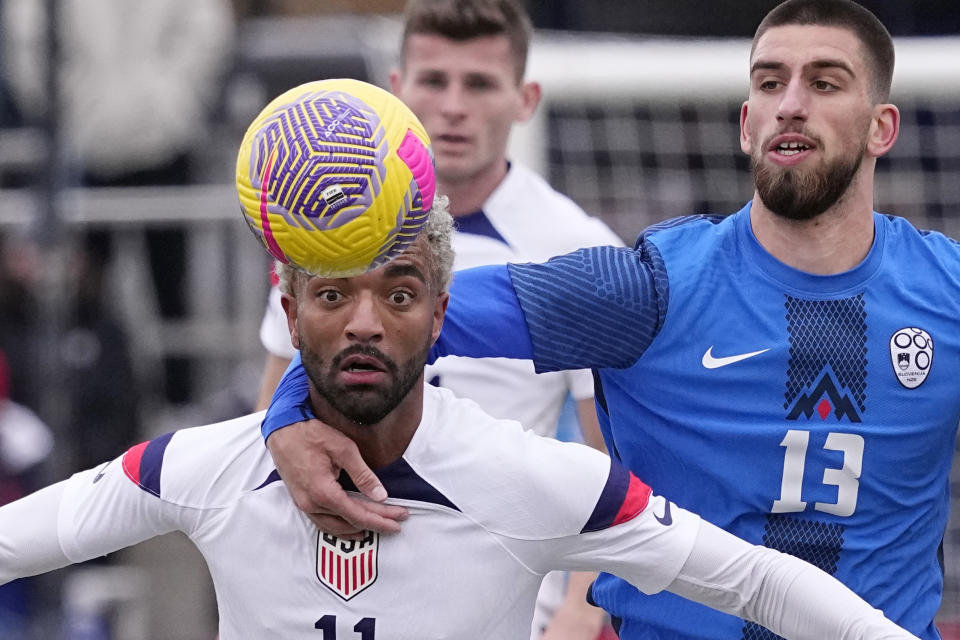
(362, 404)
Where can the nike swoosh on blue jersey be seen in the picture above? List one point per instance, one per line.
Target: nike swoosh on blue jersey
(711, 362)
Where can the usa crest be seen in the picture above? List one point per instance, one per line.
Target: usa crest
(347, 567)
(911, 353)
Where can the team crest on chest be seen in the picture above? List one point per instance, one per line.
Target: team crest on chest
(347, 567)
(911, 353)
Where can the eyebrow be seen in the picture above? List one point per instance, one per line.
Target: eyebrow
(816, 64)
(394, 270)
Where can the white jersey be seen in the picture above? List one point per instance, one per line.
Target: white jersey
(524, 220)
(492, 509)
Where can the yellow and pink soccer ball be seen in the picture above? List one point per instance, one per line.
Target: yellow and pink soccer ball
(335, 177)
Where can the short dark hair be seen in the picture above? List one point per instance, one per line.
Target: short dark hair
(467, 19)
(876, 40)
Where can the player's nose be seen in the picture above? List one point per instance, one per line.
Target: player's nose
(365, 323)
(793, 101)
(453, 102)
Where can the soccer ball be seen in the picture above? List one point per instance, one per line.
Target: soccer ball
(335, 177)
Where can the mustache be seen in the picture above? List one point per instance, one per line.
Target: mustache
(364, 350)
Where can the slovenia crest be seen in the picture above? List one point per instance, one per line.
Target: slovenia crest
(911, 353)
(347, 567)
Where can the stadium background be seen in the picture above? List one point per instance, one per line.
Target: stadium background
(638, 124)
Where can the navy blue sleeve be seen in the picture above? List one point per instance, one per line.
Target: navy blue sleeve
(594, 308)
(484, 318)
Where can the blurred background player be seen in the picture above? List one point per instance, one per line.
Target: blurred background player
(462, 66)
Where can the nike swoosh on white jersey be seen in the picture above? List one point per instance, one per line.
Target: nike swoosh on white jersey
(710, 362)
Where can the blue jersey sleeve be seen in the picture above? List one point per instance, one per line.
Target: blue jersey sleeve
(594, 308)
(484, 318)
(290, 402)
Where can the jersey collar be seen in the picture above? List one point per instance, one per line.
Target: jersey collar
(848, 281)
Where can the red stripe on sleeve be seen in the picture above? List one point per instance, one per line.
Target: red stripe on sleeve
(638, 495)
(131, 461)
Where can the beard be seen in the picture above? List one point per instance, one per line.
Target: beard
(355, 401)
(803, 194)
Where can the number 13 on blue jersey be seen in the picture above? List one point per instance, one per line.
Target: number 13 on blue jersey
(846, 478)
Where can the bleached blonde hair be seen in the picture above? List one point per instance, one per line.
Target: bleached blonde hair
(437, 230)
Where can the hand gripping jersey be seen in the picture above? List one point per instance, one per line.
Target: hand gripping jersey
(812, 414)
(492, 508)
(523, 220)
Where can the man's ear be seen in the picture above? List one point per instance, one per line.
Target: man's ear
(289, 304)
(439, 312)
(396, 80)
(884, 129)
(530, 94)
(746, 140)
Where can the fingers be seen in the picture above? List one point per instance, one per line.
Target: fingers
(363, 477)
(335, 525)
(359, 514)
(309, 457)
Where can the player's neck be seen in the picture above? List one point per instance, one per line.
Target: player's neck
(468, 195)
(384, 442)
(833, 242)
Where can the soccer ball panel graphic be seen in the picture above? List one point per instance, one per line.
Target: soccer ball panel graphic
(335, 177)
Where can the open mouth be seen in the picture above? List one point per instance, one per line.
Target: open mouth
(362, 364)
(791, 148)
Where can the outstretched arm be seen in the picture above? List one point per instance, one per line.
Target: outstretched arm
(28, 535)
(91, 514)
(790, 597)
(665, 547)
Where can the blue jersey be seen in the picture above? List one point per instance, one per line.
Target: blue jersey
(812, 414)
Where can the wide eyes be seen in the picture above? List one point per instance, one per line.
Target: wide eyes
(401, 298)
(397, 297)
(330, 296)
